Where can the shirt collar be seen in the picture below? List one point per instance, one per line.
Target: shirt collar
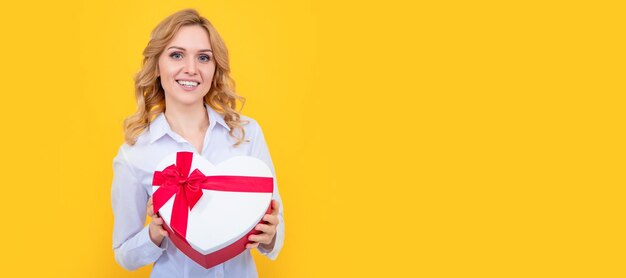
(159, 126)
(215, 117)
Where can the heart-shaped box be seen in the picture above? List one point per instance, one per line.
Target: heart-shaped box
(210, 210)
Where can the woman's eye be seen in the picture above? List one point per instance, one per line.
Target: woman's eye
(176, 55)
(204, 58)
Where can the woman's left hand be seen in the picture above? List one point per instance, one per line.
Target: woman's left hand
(268, 230)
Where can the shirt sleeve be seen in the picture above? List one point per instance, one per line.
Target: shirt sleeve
(131, 242)
(259, 150)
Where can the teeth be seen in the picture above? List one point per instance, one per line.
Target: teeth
(187, 83)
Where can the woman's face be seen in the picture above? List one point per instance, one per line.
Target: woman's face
(186, 67)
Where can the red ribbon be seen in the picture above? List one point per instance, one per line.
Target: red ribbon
(175, 179)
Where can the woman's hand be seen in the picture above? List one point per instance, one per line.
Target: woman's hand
(267, 237)
(156, 231)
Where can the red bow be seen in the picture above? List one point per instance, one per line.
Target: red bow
(175, 179)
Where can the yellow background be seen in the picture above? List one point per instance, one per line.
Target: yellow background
(411, 138)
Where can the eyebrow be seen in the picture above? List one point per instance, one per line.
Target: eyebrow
(201, 50)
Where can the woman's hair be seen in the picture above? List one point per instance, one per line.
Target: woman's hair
(150, 95)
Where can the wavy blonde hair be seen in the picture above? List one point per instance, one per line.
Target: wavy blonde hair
(150, 95)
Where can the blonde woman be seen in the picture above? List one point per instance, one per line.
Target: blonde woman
(185, 102)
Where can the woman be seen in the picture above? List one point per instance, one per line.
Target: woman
(185, 102)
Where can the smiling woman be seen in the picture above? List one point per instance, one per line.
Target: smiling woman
(185, 103)
(184, 47)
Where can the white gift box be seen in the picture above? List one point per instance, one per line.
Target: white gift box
(214, 208)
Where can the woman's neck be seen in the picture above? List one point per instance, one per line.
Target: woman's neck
(187, 121)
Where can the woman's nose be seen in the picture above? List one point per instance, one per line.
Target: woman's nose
(190, 67)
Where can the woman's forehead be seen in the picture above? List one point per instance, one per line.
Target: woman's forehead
(191, 38)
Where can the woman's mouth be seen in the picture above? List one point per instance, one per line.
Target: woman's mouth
(187, 85)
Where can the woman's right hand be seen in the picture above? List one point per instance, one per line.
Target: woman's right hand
(155, 230)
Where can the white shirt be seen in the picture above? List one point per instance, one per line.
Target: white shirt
(132, 186)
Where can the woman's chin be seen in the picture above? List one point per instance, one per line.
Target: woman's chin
(185, 102)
